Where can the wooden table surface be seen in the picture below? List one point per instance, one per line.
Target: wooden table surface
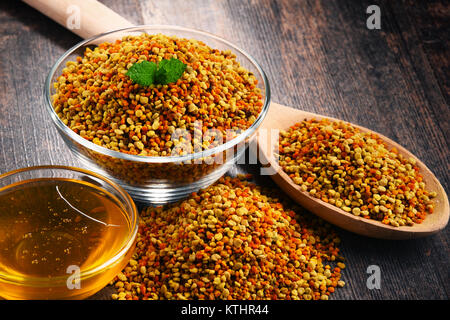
(320, 57)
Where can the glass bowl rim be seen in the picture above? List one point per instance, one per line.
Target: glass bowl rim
(128, 243)
(156, 159)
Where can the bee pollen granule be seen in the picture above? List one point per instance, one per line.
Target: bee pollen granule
(355, 171)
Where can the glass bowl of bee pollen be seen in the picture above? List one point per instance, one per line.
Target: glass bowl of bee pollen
(64, 232)
(159, 179)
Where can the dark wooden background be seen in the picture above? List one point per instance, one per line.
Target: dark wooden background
(320, 57)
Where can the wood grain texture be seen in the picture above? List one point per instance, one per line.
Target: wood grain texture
(319, 57)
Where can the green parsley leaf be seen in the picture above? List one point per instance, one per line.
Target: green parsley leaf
(146, 73)
(142, 73)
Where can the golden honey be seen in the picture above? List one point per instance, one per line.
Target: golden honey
(55, 231)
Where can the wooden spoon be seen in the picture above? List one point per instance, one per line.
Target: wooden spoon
(281, 118)
(96, 18)
(85, 18)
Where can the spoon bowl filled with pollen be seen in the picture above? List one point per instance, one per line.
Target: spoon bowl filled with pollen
(352, 177)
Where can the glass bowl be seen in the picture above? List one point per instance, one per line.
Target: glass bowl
(159, 179)
(95, 275)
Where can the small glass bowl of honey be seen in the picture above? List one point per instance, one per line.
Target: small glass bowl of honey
(64, 232)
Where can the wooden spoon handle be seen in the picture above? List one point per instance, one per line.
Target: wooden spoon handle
(85, 18)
